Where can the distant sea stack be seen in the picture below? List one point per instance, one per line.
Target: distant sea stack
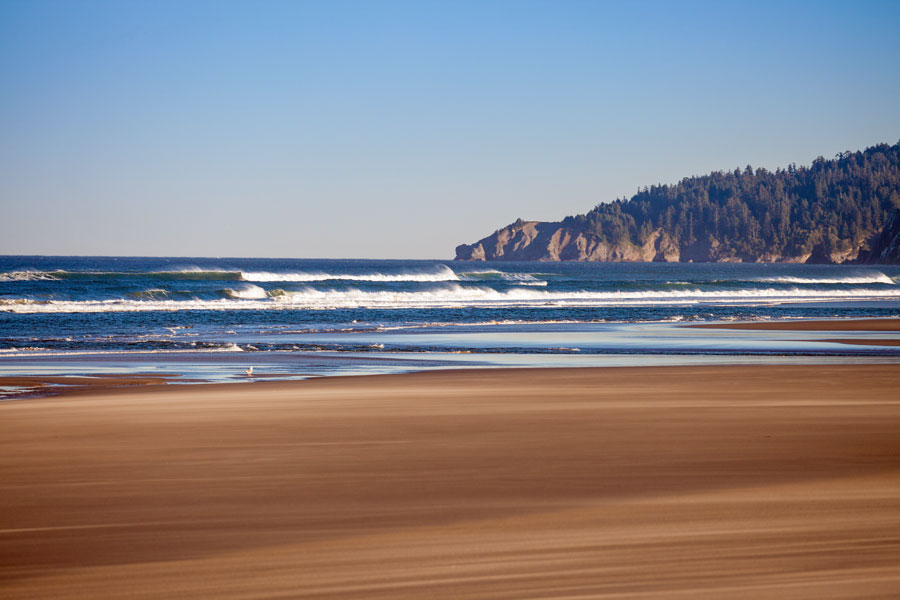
(842, 210)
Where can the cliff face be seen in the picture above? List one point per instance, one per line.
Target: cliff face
(886, 247)
(536, 240)
(557, 241)
(832, 211)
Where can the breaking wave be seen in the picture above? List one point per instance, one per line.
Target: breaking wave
(246, 292)
(188, 274)
(526, 279)
(438, 274)
(154, 294)
(441, 273)
(873, 277)
(31, 275)
(451, 296)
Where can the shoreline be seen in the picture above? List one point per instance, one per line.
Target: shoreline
(87, 371)
(653, 481)
(876, 324)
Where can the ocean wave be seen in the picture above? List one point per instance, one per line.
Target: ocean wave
(152, 294)
(28, 275)
(861, 279)
(526, 279)
(22, 349)
(438, 274)
(189, 274)
(459, 296)
(7, 302)
(246, 292)
(451, 296)
(46, 352)
(441, 274)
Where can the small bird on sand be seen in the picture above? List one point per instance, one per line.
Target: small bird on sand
(249, 372)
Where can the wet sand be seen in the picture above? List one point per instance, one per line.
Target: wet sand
(863, 342)
(683, 482)
(809, 325)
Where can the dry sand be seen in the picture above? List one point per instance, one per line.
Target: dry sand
(685, 482)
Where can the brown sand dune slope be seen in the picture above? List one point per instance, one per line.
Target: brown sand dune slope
(699, 482)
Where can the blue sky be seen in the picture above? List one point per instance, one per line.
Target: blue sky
(400, 129)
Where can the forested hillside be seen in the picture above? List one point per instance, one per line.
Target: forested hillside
(826, 212)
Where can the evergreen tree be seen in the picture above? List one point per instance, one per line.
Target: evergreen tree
(752, 213)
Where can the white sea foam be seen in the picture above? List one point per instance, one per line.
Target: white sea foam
(523, 279)
(18, 351)
(441, 273)
(59, 274)
(526, 279)
(455, 296)
(44, 352)
(861, 278)
(246, 292)
(28, 275)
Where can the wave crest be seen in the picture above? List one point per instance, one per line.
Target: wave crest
(451, 296)
(245, 292)
(442, 273)
(189, 274)
(526, 279)
(28, 275)
(870, 277)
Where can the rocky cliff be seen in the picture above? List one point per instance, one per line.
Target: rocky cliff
(886, 247)
(536, 240)
(566, 241)
(832, 211)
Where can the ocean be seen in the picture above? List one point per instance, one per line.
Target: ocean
(205, 319)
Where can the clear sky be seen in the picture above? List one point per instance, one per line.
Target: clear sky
(400, 129)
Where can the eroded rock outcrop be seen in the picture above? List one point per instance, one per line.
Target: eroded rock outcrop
(830, 212)
(886, 247)
(566, 241)
(542, 241)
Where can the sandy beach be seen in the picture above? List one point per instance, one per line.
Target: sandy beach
(808, 325)
(686, 482)
(456, 300)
